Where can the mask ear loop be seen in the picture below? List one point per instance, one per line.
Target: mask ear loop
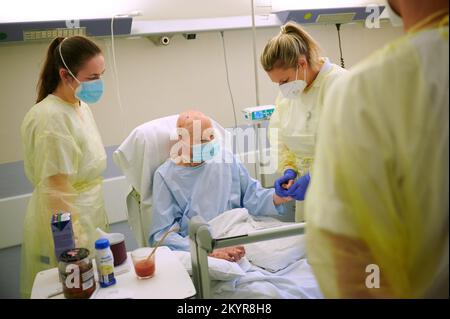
(64, 62)
(304, 75)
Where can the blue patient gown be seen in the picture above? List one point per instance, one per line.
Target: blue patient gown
(207, 190)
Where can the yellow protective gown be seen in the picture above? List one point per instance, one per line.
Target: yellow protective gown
(64, 159)
(296, 122)
(377, 208)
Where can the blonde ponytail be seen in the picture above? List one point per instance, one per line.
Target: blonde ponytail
(284, 50)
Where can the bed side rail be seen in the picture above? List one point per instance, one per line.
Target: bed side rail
(202, 243)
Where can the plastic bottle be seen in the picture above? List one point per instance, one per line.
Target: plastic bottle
(105, 263)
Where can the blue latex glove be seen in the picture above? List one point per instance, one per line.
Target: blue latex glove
(288, 175)
(298, 190)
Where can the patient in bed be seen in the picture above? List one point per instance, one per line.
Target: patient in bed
(202, 179)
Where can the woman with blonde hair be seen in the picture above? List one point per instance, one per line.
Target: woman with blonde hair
(292, 60)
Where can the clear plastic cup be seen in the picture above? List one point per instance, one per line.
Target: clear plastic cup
(143, 267)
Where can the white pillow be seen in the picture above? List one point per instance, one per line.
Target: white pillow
(219, 269)
(144, 150)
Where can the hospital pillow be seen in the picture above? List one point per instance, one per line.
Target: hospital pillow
(144, 150)
(219, 269)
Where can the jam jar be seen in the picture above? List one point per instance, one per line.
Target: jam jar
(76, 273)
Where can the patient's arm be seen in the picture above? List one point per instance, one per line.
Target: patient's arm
(257, 199)
(229, 253)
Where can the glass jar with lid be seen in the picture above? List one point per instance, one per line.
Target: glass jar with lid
(76, 273)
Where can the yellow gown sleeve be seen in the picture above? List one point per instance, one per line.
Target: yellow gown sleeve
(280, 153)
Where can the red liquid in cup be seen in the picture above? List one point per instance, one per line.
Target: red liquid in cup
(145, 268)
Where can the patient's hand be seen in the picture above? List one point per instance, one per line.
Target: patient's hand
(229, 253)
(288, 184)
(278, 200)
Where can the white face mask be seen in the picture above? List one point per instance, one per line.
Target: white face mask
(396, 20)
(292, 89)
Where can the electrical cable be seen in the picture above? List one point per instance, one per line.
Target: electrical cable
(229, 88)
(257, 126)
(228, 78)
(116, 76)
(338, 27)
(255, 59)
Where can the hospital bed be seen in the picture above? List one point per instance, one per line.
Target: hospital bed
(142, 152)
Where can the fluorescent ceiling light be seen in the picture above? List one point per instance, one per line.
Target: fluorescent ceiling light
(287, 5)
(50, 10)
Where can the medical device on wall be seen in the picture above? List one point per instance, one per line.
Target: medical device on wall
(258, 113)
(48, 30)
(327, 15)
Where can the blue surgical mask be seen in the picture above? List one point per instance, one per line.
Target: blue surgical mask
(89, 91)
(204, 152)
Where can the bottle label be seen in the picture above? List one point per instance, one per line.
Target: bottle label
(105, 268)
(88, 284)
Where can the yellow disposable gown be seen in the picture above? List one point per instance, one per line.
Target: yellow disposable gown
(296, 122)
(377, 208)
(64, 159)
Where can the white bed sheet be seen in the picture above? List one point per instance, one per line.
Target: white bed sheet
(293, 280)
